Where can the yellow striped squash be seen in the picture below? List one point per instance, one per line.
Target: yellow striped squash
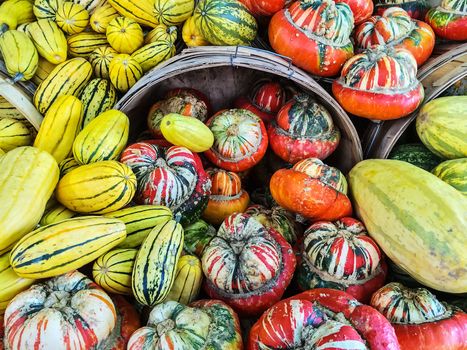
(68, 78)
(454, 173)
(14, 133)
(56, 213)
(139, 10)
(101, 18)
(100, 60)
(65, 246)
(22, 10)
(11, 283)
(188, 278)
(124, 35)
(83, 44)
(152, 54)
(19, 54)
(7, 110)
(112, 271)
(97, 188)
(61, 124)
(27, 181)
(104, 138)
(91, 5)
(49, 40)
(156, 263)
(161, 32)
(173, 12)
(23, 28)
(72, 18)
(44, 68)
(67, 165)
(97, 97)
(124, 72)
(192, 35)
(7, 21)
(46, 9)
(139, 221)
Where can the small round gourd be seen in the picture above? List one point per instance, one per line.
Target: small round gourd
(124, 72)
(124, 35)
(72, 18)
(100, 60)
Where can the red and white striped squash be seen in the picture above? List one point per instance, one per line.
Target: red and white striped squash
(449, 20)
(303, 129)
(396, 28)
(341, 255)
(246, 265)
(66, 312)
(379, 84)
(173, 177)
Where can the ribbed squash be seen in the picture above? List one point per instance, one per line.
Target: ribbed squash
(161, 32)
(124, 72)
(173, 12)
(188, 278)
(139, 10)
(139, 221)
(97, 188)
(100, 60)
(13, 134)
(192, 35)
(56, 213)
(19, 54)
(27, 181)
(156, 263)
(154, 53)
(454, 173)
(46, 9)
(61, 124)
(11, 283)
(97, 97)
(417, 220)
(44, 68)
(124, 35)
(104, 138)
(68, 78)
(83, 44)
(442, 126)
(76, 242)
(112, 271)
(72, 18)
(101, 18)
(49, 40)
(67, 165)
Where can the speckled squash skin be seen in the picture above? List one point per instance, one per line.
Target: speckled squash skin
(421, 321)
(449, 20)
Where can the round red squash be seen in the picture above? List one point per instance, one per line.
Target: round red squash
(315, 34)
(421, 321)
(415, 8)
(240, 140)
(247, 265)
(322, 319)
(361, 9)
(303, 129)
(341, 255)
(312, 189)
(173, 177)
(263, 7)
(379, 84)
(396, 28)
(227, 196)
(449, 20)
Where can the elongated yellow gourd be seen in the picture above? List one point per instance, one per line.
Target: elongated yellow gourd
(142, 11)
(14, 133)
(19, 54)
(49, 40)
(188, 278)
(161, 32)
(101, 18)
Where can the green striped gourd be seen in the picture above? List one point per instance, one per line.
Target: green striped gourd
(416, 154)
(197, 236)
(112, 271)
(173, 12)
(417, 220)
(139, 10)
(124, 72)
(152, 54)
(97, 188)
(46, 9)
(225, 22)
(65, 246)
(454, 173)
(19, 55)
(100, 60)
(442, 126)
(161, 32)
(83, 44)
(67, 165)
(56, 213)
(14, 133)
(101, 18)
(61, 124)
(139, 221)
(188, 278)
(97, 97)
(68, 78)
(104, 138)
(156, 263)
(49, 40)
(27, 181)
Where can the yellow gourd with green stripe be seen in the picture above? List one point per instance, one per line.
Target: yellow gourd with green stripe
(104, 138)
(149, 56)
(112, 271)
(56, 213)
(83, 44)
(101, 18)
(97, 97)
(124, 72)
(161, 32)
(100, 60)
(44, 68)
(188, 278)
(173, 12)
(49, 40)
(142, 11)
(67, 165)
(124, 35)
(13, 134)
(46, 9)
(97, 188)
(72, 18)
(192, 35)
(19, 54)
(22, 10)
(156, 263)
(61, 124)
(75, 243)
